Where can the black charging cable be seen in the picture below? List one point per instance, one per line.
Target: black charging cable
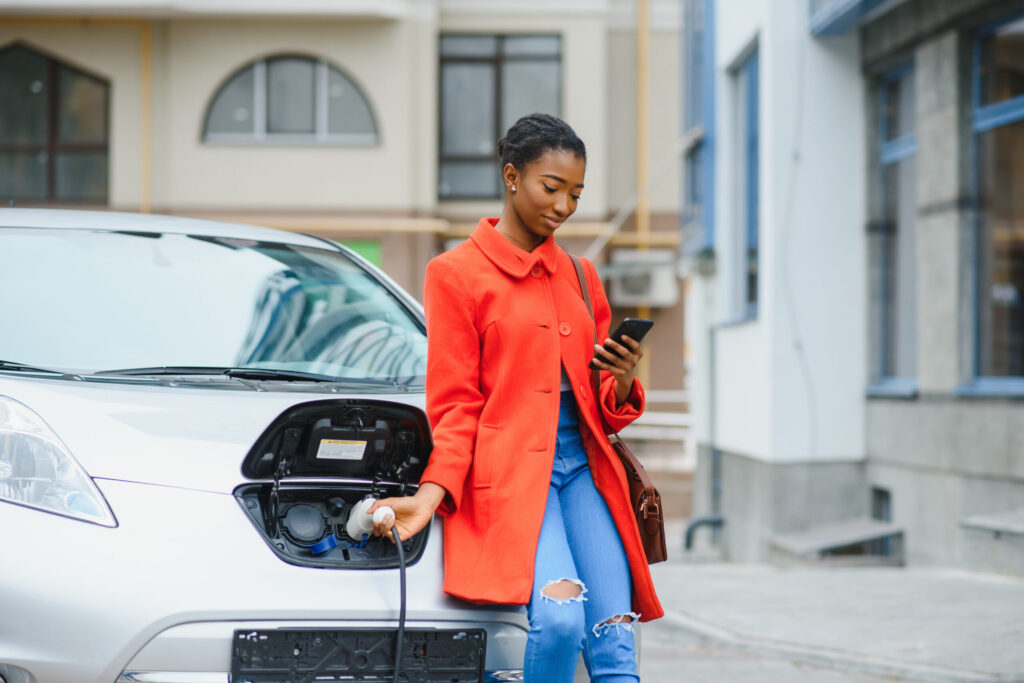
(401, 609)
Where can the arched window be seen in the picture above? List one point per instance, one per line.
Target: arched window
(54, 130)
(290, 99)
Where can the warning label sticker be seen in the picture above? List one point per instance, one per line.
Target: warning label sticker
(339, 449)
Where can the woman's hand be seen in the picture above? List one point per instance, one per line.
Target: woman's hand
(412, 513)
(622, 368)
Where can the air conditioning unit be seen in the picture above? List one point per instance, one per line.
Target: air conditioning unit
(643, 278)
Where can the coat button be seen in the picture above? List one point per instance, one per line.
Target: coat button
(565, 329)
(537, 271)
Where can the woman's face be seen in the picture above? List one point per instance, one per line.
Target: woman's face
(547, 192)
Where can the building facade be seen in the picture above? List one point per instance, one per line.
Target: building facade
(855, 250)
(373, 123)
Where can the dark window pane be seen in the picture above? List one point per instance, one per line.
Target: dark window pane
(469, 180)
(542, 46)
(82, 106)
(23, 84)
(467, 116)
(1002, 64)
(232, 109)
(22, 175)
(469, 46)
(1001, 252)
(291, 84)
(528, 87)
(82, 176)
(897, 287)
(899, 115)
(348, 111)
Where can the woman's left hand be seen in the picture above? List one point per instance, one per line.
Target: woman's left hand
(623, 367)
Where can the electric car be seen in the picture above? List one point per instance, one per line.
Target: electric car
(190, 411)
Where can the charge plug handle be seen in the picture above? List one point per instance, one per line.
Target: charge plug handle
(360, 523)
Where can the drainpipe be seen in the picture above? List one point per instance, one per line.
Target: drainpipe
(643, 211)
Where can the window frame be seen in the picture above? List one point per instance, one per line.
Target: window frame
(53, 145)
(744, 74)
(260, 135)
(890, 152)
(495, 62)
(985, 118)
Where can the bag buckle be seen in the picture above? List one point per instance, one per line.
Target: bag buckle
(653, 507)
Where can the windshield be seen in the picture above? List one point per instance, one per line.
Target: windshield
(93, 301)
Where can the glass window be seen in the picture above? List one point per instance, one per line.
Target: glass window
(290, 99)
(53, 130)
(1001, 251)
(893, 243)
(998, 123)
(232, 109)
(291, 92)
(1001, 71)
(747, 160)
(487, 83)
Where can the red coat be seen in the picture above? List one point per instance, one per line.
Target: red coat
(500, 323)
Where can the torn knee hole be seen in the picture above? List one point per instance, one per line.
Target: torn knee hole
(619, 621)
(564, 590)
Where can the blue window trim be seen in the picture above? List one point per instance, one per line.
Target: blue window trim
(985, 118)
(704, 79)
(839, 16)
(892, 387)
(890, 152)
(992, 387)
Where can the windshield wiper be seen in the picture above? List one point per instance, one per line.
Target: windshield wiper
(247, 373)
(22, 367)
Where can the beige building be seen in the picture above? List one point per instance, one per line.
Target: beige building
(372, 122)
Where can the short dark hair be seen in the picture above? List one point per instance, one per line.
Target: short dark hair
(533, 135)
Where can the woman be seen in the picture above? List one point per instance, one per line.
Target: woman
(535, 502)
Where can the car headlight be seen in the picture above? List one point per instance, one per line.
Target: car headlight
(37, 470)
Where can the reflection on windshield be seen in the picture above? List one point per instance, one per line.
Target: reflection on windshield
(93, 301)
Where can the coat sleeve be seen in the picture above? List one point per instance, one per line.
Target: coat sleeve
(617, 417)
(454, 400)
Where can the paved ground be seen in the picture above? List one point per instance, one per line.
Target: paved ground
(669, 655)
(755, 622)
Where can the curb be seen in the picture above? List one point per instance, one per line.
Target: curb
(830, 657)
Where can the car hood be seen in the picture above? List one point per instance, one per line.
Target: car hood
(194, 438)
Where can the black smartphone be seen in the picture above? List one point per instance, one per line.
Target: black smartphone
(634, 328)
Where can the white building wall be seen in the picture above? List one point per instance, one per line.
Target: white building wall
(742, 392)
(813, 184)
(788, 383)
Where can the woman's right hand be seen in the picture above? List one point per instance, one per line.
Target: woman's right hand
(412, 513)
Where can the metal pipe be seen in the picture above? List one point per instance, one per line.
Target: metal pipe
(713, 521)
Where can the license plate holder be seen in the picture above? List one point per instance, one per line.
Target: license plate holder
(357, 654)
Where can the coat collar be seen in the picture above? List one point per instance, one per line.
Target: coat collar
(515, 261)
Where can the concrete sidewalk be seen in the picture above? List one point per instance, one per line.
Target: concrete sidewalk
(912, 623)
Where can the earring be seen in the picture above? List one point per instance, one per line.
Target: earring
(513, 188)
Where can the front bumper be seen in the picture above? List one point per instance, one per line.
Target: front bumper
(158, 598)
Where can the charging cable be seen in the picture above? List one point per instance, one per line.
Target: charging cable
(360, 523)
(401, 609)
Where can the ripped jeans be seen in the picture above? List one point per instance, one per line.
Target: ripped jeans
(579, 544)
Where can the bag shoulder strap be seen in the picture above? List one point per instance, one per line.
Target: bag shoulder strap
(595, 375)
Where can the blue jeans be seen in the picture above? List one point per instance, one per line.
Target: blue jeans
(579, 543)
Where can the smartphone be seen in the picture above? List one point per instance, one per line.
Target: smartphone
(634, 328)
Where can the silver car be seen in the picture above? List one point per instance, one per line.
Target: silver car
(190, 411)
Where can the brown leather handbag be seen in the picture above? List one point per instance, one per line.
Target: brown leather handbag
(644, 498)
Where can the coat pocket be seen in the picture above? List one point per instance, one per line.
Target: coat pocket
(484, 455)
